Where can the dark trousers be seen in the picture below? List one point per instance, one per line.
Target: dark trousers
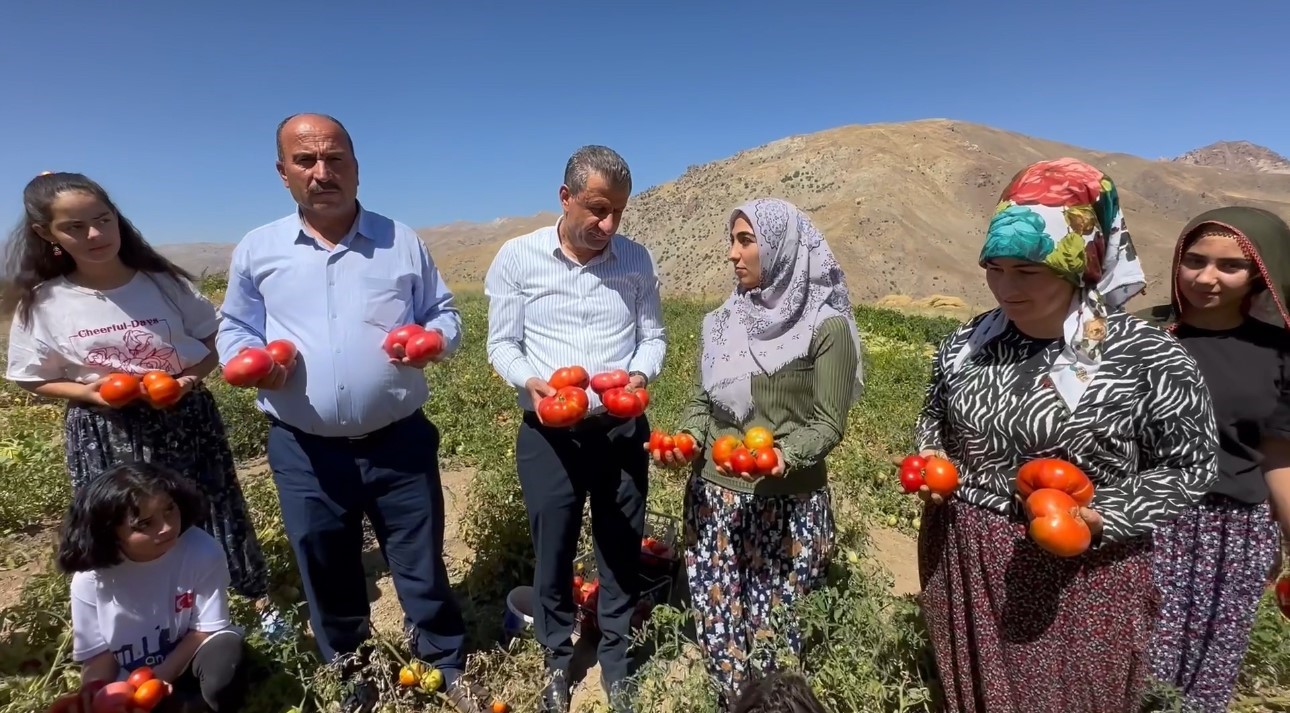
(325, 485)
(559, 469)
(215, 677)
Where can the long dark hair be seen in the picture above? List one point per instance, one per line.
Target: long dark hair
(88, 540)
(779, 692)
(30, 260)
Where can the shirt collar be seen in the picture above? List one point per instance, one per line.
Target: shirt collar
(553, 243)
(362, 227)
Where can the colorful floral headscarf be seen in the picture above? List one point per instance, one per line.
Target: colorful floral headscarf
(1065, 214)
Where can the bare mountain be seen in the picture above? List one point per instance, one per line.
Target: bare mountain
(1237, 156)
(904, 206)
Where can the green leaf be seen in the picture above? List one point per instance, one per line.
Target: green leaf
(1067, 259)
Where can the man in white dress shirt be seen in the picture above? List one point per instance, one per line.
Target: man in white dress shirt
(577, 293)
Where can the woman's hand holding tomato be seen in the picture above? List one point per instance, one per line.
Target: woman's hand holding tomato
(930, 475)
(753, 456)
(672, 450)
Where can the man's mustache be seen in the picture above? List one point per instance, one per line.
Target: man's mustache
(320, 187)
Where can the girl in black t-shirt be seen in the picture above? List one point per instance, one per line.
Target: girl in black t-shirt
(1231, 275)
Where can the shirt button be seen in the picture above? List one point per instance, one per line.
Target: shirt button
(337, 351)
(342, 387)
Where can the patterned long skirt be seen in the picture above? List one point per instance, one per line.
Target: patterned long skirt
(1211, 566)
(189, 437)
(1017, 630)
(745, 555)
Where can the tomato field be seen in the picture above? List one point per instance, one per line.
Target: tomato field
(867, 649)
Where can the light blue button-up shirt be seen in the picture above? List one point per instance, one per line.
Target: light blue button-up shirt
(546, 311)
(336, 306)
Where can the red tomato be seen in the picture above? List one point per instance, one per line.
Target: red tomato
(765, 461)
(616, 379)
(140, 675)
(577, 581)
(911, 479)
(686, 444)
(1061, 534)
(148, 695)
(914, 461)
(161, 388)
(120, 389)
(742, 461)
(941, 476)
(569, 376)
(424, 345)
(722, 448)
(564, 408)
(1283, 594)
(114, 698)
(1054, 473)
(656, 440)
(248, 367)
(1047, 501)
(281, 351)
(625, 403)
(399, 337)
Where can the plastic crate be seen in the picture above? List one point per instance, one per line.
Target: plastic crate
(658, 573)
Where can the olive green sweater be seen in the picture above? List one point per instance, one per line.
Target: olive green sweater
(804, 405)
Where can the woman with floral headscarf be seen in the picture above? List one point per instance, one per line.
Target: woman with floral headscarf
(782, 353)
(1058, 370)
(1228, 308)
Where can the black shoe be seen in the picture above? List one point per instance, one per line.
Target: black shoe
(360, 697)
(555, 697)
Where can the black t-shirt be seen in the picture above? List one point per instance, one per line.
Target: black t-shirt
(1247, 370)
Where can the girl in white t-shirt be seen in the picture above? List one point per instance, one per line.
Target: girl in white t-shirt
(90, 298)
(149, 589)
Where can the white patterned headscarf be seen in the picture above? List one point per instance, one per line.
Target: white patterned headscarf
(762, 329)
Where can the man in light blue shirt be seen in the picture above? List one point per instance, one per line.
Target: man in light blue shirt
(577, 293)
(347, 435)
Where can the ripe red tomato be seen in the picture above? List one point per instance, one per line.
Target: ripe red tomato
(1061, 534)
(115, 697)
(625, 403)
(281, 351)
(686, 444)
(139, 676)
(1283, 594)
(1047, 501)
(248, 367)
(1054, 473)
(399, 337)
(661, 441)
(742, 461)
(766, 460)
(424, 345)
(603, 382)
(120, 389)
(911, 478)
(914, 461)
(569, 376)
(940, 476)
(722, 448)
(564, 408)
(148, 695)
(161, 388)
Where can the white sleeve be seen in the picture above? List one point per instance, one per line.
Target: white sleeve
(31, 358)
(87, 638)
(210, 587)
(200, 317)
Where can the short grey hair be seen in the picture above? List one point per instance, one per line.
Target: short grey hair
(596, 159)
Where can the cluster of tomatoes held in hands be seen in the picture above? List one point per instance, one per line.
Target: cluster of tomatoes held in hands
(569, 403)
(139, 693)
(751, 456)
(156, 387)
(1052, 492)
(253, 364)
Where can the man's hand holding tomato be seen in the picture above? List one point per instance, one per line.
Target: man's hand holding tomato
(400, 354)
(538, 390)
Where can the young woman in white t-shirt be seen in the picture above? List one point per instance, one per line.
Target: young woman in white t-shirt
(90, 298)
(149, 588)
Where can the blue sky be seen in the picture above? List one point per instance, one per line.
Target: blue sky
(468, 110)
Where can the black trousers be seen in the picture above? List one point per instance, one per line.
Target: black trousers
(604, 460)
(215, 677)
(325, 485)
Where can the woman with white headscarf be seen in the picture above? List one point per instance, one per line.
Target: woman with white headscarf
(1058, 370)
(781, 354)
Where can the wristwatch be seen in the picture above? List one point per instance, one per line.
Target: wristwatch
(641, 375)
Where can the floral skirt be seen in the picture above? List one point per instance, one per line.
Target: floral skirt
(1017, 630)
(745, 555)
(189, 437)
(1211, 566)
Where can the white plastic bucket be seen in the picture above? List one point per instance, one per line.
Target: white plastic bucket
(519, 610)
